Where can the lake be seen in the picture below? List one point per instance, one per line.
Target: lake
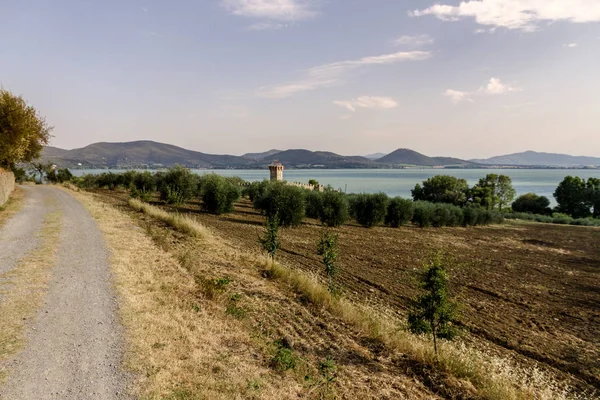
(399, 182)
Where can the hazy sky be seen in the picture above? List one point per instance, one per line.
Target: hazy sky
(466, 79)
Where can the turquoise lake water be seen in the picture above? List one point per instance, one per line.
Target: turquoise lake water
(399, 182)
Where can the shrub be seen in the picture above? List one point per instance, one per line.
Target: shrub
(532, 203)
(177, 185)
(327, 248)
(471, 215)
(218, 194)
(313, 204)
(283, 357)
(399, 212)
(256, 189)
(369, 209)
(285, 202)
(334, 208)
(446, 215)
(563, 219)
(423, 215)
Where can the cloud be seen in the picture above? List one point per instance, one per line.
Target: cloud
(282, 10)
(414, 41)
(457, 96)
(267, 26)
(493, 87)
(330, 74)
(571, 45)
(372, 102)
(524, 15)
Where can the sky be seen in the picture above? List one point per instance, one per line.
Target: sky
(467, 79)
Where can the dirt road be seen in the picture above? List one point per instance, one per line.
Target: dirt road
(74, 344)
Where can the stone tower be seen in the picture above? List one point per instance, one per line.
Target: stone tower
(276, 171)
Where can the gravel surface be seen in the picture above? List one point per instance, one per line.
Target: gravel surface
(18, 235)
(74, 344)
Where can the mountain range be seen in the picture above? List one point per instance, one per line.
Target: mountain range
(149, 154)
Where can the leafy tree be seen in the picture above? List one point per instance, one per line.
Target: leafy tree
(533, 204)
(313, 203)
(572, 196)
(433, 312)
(218, 194)
(255, 189)
(270, 240)
(284, 201)
(23, 132)
(493, 191)
(313, 182)
(442, 189)
(43, 169)
(369, 209)
(399, 212)
(334, 210)
(593, 187)
(327, 248)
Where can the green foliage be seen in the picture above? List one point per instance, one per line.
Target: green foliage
(63, 175)
(285, 202)
(334, 208)
(255, 190)
(313, 182)
(177, 185)
(593, 189)
(283, 357)
(433, 312)
(20, 174)
(532, 203)
(313, 204)
(23, 132)
(369, 209)
(572, 196)
(218, 194)
(213, 287)
(399, 212)
(270, 239)
(493, 191)
(233, 308)
(442, 189)
(327, 248)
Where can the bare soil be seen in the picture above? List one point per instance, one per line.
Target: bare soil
(529, 291)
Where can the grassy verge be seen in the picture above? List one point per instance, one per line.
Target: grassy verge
(182, 343)
(22, 289)
(14, 204)
(479, 374)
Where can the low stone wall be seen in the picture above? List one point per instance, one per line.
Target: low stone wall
(7, 185)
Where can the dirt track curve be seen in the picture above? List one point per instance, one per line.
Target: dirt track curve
(74, 344)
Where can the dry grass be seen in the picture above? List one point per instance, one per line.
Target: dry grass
(14, 204)
(22, 289)
(181, 343)
(182, 223)
(484, 375)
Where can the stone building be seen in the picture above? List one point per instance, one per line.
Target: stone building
(276, 171)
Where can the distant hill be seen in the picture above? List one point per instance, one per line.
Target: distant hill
(149, 154)
(260, 156)
(411, 157)
(300, 158)
(533, 158)
(143, 153)
(374, 156)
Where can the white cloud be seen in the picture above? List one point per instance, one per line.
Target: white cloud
(457, 96)
(267, 26)
(372, 102)
(329, 74)
(282, 10)
(571, 45)
(493, 87)
(414, 41)
(523, 15)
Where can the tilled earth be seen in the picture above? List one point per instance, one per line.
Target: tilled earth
(526, 289)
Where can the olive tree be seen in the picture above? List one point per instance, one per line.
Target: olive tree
(442, 189)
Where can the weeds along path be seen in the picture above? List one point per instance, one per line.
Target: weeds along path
(72, 345)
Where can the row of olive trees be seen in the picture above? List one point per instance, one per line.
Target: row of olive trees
(174, 186)
(291, 204)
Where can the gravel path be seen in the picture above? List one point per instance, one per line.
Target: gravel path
(18, 235)
(74, 344)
